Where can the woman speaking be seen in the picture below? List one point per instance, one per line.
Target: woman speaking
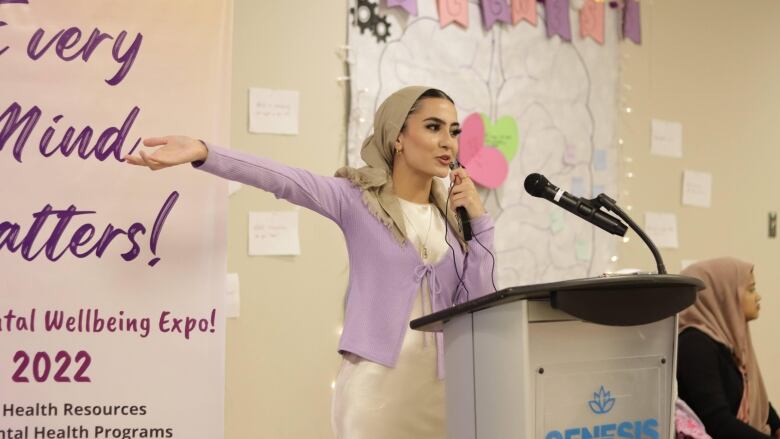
(407, 253)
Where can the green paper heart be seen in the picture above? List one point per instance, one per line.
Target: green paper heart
(502, 135)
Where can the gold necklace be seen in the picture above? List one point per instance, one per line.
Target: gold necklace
(424, 245)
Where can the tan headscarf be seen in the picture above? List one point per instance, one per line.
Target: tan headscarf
(378, 152)
(718, 313)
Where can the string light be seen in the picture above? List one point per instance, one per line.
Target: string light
(627, 161)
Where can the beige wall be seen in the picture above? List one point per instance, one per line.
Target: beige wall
(711, 65)
(281, 352)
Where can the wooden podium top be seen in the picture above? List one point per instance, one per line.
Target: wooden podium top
(614, 300)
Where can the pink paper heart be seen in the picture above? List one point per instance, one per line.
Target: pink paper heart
(487, 166)
(472, 137)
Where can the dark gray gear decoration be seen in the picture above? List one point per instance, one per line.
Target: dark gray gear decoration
(364, 15)
(381, 29)
(365, 18)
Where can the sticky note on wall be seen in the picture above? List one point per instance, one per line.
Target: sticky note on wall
(666, 138)
(273, 111)
(662, 229)
(232, 297)
(697, 189)
(273, 233)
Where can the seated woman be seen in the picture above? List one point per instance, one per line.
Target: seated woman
(717, 371)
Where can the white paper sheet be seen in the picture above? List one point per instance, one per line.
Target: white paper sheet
(233, 187)
(697, 189)
(273, 111)
(662, 229)
(232, 296)
(273, 233)
(666, 138)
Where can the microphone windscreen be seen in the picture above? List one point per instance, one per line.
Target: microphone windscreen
(534, 184)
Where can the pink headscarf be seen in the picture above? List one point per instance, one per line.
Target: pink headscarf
(718, 313)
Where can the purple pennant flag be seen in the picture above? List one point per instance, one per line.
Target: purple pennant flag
(409, 5)
(558, 19)
(632, 29)
(495, 10)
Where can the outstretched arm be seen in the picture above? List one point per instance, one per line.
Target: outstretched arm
(324, 195)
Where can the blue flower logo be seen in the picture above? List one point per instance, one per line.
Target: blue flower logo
(602, 402)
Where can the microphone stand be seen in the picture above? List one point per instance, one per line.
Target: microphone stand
(609, 204)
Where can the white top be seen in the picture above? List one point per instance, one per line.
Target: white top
(425, 228)
(374, 401)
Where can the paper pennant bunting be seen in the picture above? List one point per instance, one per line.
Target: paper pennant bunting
(524, 10)
(409, 5)
(493, 11)
(454, 10)
(631, 21)
(592, 20)
(558, 19)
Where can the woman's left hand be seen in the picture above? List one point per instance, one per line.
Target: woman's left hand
(464, 194)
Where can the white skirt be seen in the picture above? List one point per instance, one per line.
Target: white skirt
(371, 401)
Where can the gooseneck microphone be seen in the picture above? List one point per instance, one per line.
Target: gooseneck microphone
(538, 186)
(590, 210)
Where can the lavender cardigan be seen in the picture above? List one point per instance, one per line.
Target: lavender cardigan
(384, 275)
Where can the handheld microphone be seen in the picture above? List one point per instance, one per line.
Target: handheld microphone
(538, 186)
(463, 216)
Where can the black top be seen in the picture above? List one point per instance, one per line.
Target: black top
(711, 384)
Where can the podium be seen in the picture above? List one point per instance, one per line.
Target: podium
(580, 359)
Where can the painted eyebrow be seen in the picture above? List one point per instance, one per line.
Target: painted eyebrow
(436, 119)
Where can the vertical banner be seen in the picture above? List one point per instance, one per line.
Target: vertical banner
(113, 276)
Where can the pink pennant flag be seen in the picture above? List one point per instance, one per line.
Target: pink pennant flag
(558, 19)
(454, 10)
(409, 5)
(631, 21)
(592, 20)
(524, 10)
(493, 11)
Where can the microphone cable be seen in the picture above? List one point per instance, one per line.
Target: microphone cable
(493, 267)
(456, 297)
(455, 264)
